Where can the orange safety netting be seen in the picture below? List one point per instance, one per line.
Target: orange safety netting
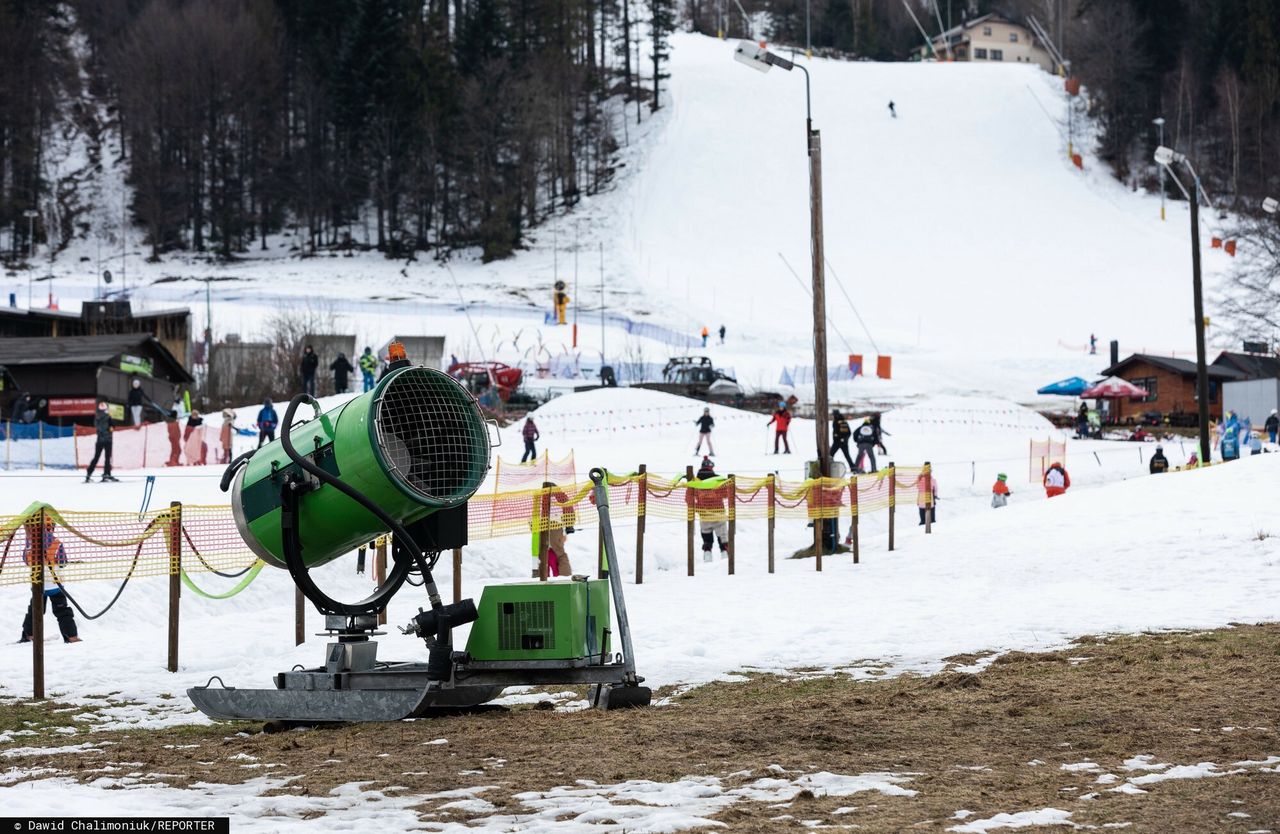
(80, 546)
(1045, 453)
(102, 545)
(532, 474)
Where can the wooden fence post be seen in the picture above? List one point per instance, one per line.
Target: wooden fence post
(641, 506)
(815, 502)
(299, 617)
(457, 574)
(853, 516)
(733, 518)
(544, 521)
(893, 499)
(688, 504)
(37, 549)
(771, 489)
(380, 571)
(175, 579)
(927, 475)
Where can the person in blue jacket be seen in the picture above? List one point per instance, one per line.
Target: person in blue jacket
(267, 422)
(55, 556)
(1230, 442)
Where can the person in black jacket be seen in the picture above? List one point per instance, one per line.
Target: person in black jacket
(705, 423)
(340, 367)
(1159, 463)
(135, 401)
(840, 435)
(102, 446)
(308, 367)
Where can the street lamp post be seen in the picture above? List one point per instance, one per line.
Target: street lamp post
(759, 58)
(1166, 157)
(1159, 123)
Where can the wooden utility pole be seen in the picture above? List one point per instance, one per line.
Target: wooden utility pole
(641, 506)
(540, 534)
(821, 417)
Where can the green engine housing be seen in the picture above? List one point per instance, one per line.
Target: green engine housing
(541, 621)
(415, 444)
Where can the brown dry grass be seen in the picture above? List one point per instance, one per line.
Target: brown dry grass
(969, 736)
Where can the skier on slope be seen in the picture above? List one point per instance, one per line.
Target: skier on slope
(1272, 425)
(893, 111)
(781, 420)
(267, 422)
(840, 434)
(705, 424)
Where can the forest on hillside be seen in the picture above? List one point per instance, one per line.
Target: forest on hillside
(432, 125)
(420, 125)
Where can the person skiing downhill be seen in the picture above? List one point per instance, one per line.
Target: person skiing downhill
(840, 435)
(705, 424)
(893, 111)
(781, 420)
(102, 444)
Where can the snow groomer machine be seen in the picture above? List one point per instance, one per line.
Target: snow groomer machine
(404, 459)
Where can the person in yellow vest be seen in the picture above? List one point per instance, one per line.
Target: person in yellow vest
(55, 555)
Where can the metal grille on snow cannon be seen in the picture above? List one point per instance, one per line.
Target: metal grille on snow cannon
(415, 444)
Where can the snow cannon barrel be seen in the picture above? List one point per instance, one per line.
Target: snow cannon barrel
(415, 444)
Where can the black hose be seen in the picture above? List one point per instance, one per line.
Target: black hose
(111, 604)
(230, 471)
(401, 570)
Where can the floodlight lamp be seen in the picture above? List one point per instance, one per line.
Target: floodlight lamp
(1168, 156)
(753, 55)
(1270, 206)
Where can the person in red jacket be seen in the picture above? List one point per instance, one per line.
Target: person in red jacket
(1056, 480)
(781, 420)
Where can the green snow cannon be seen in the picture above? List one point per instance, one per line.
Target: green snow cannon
(415, 444)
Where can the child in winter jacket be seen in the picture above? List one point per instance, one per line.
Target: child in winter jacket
(1056, 481)
(1000, 491)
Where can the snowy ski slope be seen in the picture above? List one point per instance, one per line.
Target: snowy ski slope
(969, 243)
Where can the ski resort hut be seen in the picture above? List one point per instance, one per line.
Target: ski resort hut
(68, 374)
(1171, 390)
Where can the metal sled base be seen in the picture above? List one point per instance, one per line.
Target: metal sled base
(397, 691)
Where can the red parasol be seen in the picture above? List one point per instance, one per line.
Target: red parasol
(1113, 388)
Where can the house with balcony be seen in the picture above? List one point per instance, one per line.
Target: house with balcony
(989, 38)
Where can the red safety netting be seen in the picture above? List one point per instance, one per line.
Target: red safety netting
(152, 444)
